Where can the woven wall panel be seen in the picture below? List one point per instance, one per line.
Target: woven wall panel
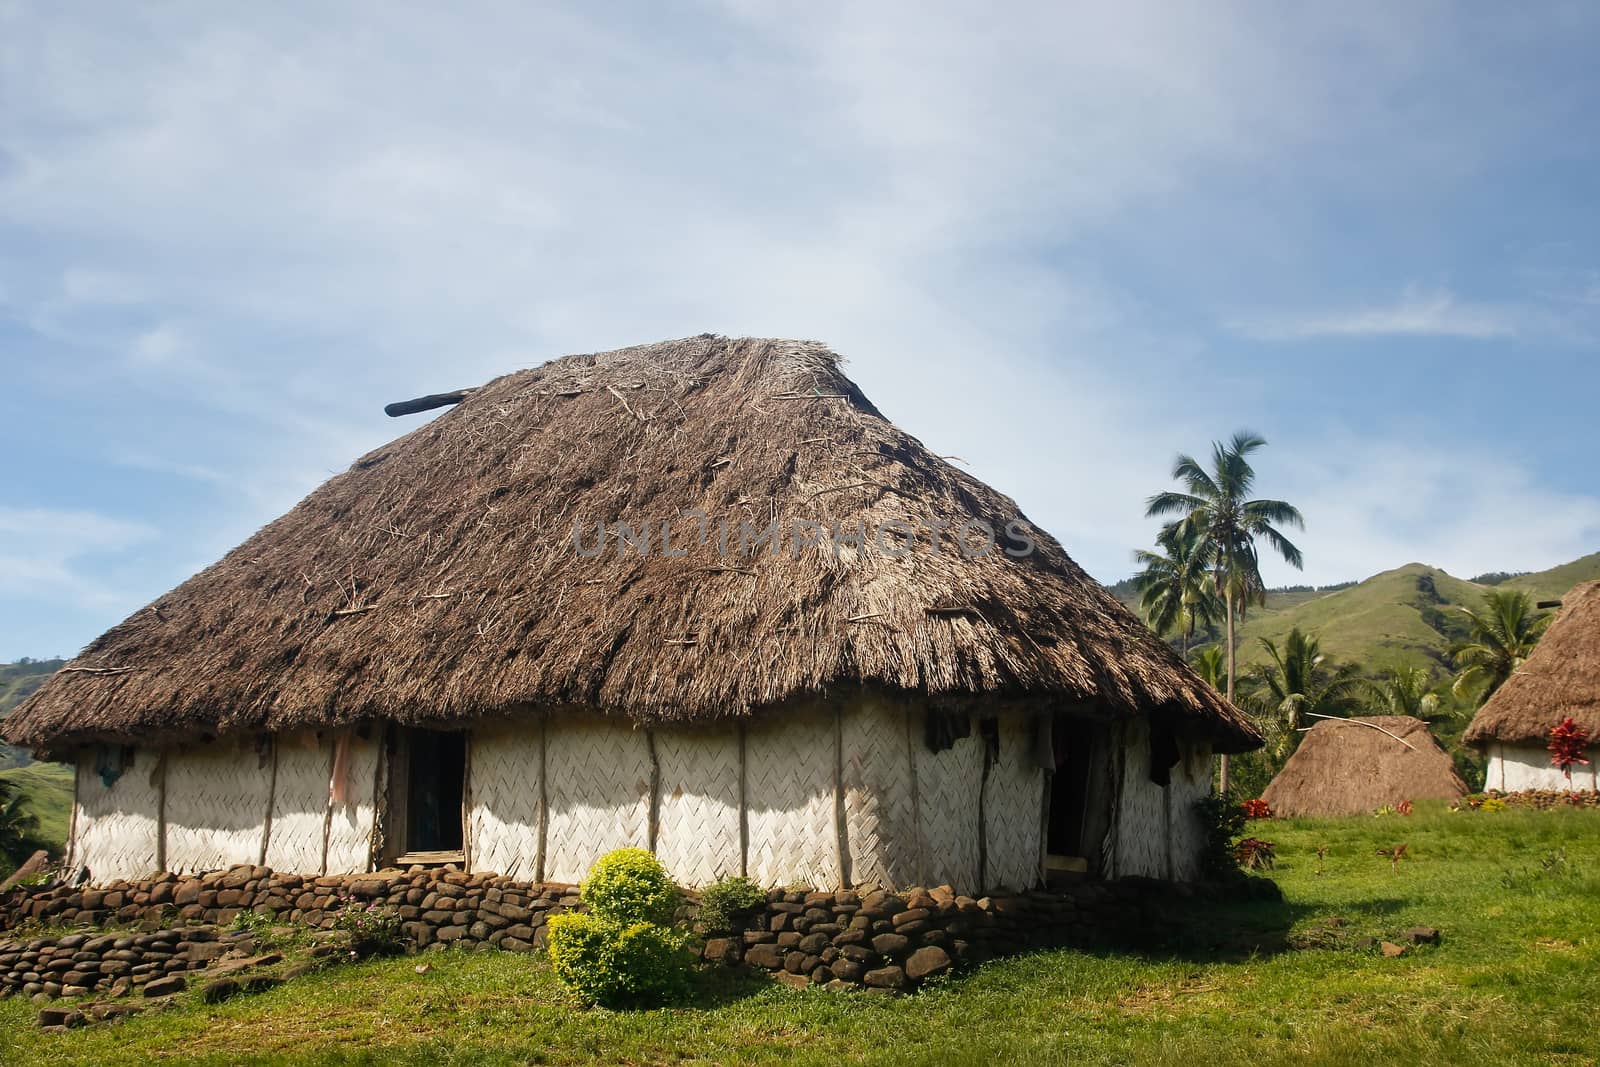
(300, 800)
(789, 801)
(1141, 829)
(504, 821)
(350, 830)
(216, 806)
(1012, 815)
(1191, 783)
(877, 796)
(697, 831)
(599, 793)
(947, 812)
(117, 825)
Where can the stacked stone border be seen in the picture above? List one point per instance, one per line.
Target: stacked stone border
(872, 939)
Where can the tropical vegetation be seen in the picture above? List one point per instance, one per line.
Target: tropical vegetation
(1215, 507)
(1504, 632)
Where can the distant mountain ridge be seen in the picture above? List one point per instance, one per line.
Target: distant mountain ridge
(1406, 616)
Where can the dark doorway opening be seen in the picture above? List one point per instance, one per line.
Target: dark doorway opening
(1073, 742)
(436, 765)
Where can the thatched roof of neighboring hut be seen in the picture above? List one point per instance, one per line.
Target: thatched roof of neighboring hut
(1561, 678)
(437, 578)
(1345, 768)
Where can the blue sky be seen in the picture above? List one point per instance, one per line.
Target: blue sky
(1062, 245)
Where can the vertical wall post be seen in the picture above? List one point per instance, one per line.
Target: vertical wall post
(653, 812)
(272, 800)
(72, 831)
(544, 795)
(921, 867)
(841, 817)
(161, 811)
(327, 806)
(744, 812)
(466, 802)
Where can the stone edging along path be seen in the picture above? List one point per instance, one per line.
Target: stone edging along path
(173, 924)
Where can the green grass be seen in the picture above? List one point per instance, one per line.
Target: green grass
(47, 788)
(1514, 981)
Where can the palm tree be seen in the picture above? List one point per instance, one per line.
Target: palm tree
(1175, 588)
(1211, 664)
(1299, 682)
(1503, 634)
(16, 826)
(1216, 504)
(1405, 691)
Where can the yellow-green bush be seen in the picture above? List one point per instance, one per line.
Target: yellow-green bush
(629, 885)
(618, 965)
(623, 951)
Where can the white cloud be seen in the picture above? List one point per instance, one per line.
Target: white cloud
(271, 232)
(46, 554)
(1376, 504)
(1416, 314)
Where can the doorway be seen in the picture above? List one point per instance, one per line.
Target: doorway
(1079, 800)
(426, 794)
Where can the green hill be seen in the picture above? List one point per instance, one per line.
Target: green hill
(17, 680)
(1409, 615)
(47, 789)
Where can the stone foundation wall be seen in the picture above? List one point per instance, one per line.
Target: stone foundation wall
(881, 940)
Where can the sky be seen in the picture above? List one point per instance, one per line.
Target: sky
(1064, 244)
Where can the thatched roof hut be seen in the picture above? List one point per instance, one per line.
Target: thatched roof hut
(1560, 680)
(698, 533)
(1345, 767)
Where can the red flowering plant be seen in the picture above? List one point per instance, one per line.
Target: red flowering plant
(1567, 742)
(1256, 809)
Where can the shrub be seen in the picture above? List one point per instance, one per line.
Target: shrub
(617, 965)
(1255, 854)
(623, 952)
(1256, 809)
(630, 886)
(726, 905)
(1223, 820)
(373, 930)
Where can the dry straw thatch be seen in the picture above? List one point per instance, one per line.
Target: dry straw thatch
(437, 579)
(1345, 768)
(1560, 679)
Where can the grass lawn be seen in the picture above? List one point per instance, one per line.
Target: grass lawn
(1516, 895)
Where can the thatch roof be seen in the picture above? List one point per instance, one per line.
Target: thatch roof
(437, 578)
(1561, 678)
(1345, 768)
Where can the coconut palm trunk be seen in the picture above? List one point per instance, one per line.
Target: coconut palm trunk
(1222, 767)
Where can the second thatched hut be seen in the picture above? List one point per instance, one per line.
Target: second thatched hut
(1560, 680)
(1356, 766)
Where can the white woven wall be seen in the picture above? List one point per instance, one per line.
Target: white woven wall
(504, 820)
(117, 826)
(350, 830)
(300, 802)
(1141, 830)
(1013, 809)
(877, 794)
(697, 828)
(216, 806)
(947, 812)
(1514, 768)
(599, 793)
(1191, 783)
(789, 797)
